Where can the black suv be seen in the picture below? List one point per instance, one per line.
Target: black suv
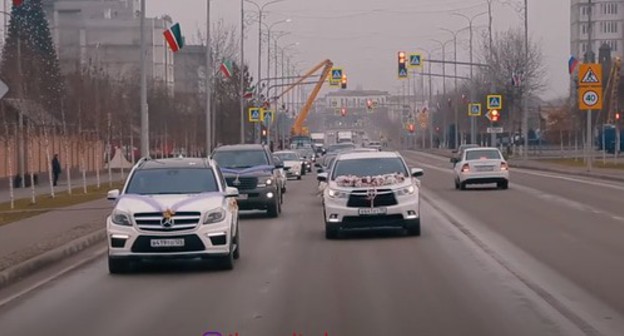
(251, 169)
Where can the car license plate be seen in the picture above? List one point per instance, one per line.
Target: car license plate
(167, 242)
(485, 168)
(372, 211)
(243, 196)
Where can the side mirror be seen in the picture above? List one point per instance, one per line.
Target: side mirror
(454, 160)
(317, 165)
(321, 177)
(231, 192)
(320, 171)
(417, 172)
(112, 195)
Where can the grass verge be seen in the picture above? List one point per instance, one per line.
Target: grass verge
(598, 163)
(24, 208)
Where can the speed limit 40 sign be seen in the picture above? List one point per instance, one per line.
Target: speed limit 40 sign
(590, 98)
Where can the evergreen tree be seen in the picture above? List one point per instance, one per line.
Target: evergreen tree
(41, 78)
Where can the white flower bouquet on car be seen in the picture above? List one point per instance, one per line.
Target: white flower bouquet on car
(352, 181)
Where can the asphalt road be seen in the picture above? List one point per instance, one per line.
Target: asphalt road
(459, 278)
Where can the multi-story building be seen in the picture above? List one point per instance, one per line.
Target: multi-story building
(105, 35)
(607, 17)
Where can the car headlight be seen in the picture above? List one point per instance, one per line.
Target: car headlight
(406, 191)
(120, 218)
(336, 194)
(265, 181)
(214, 216)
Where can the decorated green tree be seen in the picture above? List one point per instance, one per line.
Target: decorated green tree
(29, 58)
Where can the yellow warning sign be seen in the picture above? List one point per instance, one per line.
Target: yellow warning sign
(590, 98)
(590, 75)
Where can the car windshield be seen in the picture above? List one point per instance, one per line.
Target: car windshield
(287, 156)
(168, 181)
(340, 148)
(484, 154)
(369, 167)
(240, 159)
(305, 152)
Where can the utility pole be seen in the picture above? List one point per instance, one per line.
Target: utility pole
(525, 93)
(145, 147)
(242, 74)
(208, 83)
(589, 58)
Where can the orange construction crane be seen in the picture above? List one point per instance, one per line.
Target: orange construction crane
(298, 128)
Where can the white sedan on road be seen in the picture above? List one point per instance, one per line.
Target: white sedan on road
(482, 165)
(292, 163)
(374, 190)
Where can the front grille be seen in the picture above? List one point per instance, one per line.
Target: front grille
(192, 243)
(360, 199)
(153, 221)
(244, 183)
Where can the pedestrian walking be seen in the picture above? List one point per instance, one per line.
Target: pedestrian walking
(56, 168)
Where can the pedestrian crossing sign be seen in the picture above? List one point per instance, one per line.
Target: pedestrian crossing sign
(494, 102)
(415, 61)
(268, 116)
(474, 109)
(590, 75)
(336, 76)
(402, 73)
(254, 114)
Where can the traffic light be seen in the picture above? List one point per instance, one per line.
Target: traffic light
(402, 64)
(494, 116)
(617, 117)
(343, 82)
(369, 104)
(343, 111)
(263, 134)
(411, 128)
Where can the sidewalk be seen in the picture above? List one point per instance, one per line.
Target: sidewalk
(44, 188)
(536, 164)
(63, 232)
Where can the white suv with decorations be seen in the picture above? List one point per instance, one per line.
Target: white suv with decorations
(176, 209)
(374, 190)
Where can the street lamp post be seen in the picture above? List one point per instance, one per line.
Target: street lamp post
(443, 45)
(260, 15)
(456, 105)
(473, 124)
(145, 150)
(242, 73)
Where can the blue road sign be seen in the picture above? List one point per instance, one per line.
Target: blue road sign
(254, 114)
(474, 110)
(267, 116)
(494, 102)
(415, 60)
(336, 74)
(402, 73)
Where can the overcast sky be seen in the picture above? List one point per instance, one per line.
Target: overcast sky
(363, 36)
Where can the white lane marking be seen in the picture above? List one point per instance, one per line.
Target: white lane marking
(546, 196)
(53, 277)
(589, 181)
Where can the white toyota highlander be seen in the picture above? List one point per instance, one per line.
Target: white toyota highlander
(373, 190)
(173, 208)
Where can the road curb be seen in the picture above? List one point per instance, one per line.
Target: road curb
(19, 271)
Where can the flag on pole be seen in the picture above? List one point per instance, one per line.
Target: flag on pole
(226, 68)
(249, 92)
(572, 64)
(174, 38)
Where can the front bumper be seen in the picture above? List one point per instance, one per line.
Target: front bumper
(257, 199)
(403, 215)
(205, 241)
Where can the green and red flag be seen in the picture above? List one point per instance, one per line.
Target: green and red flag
(249, 92)
(174, 38)
(226, 68)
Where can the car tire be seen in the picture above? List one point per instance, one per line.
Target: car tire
(284, 190)
(118, 266)
(456, 185)
(330, 232)
(503, 185)
(299, 178)
(236, 253)
(462, 185)
(227, 263)
(413, 230)
(273, 210)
